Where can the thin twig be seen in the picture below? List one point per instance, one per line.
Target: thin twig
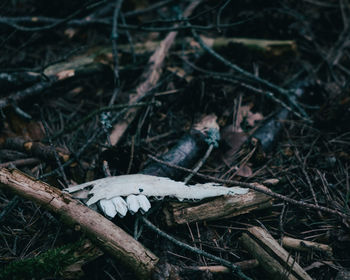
(199, 164)
(256, 188)
(114, 35)
(55, 23)
(8, 208)
(289, 94)
(101, 110)
(235, 269)
(53, 149)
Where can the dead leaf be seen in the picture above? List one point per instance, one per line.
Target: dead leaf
(246, 113)
(245, 171)
(70, 32)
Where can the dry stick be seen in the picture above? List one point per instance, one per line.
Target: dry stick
(20, 162)
(101, 110)
(26, 93)
(258, 189)
(287, 93)
(307, 178)
(114, 35)
(235, 269)
(272, 96)
(152, 75)
(148, 9)
(76, 155)
(8, 208)
(54, 23)
(100, 230)
(36, 149)
(63, 174)
(199, 164)
(269, 94)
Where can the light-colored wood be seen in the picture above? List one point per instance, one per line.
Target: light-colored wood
(275, 260)
(272, 267)
(221, 208)
(243, 265)
(268, 47)
(150, 78)
(101, 231)
(303, 245)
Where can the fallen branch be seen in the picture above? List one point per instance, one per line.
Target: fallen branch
(271, 256)
(150, 78)
(259, 189)
(220, 208)
(37, 149)
(100, 230)
(304, 245)
(243, 265)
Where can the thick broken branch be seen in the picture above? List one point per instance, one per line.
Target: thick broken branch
(100, 230)
(271, 256)
(220, 208)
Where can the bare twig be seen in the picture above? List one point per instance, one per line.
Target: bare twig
(199, 164)
(152, 75)
(289, 94)
(114, 35)
(234, 268)
(100, 230)
(258, 189)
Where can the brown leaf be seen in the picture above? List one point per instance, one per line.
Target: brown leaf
(245, 171)
(246, 113)
(26, 129)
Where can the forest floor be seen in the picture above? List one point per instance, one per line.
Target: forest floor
(273, 75)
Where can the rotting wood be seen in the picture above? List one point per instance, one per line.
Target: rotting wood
(275, 260)
(220, 208)
(101, 231)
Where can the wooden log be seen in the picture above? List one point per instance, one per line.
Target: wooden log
(276, 261)
(101, 231)
(221, 208)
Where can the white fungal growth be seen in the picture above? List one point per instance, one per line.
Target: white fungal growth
(137, 187)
